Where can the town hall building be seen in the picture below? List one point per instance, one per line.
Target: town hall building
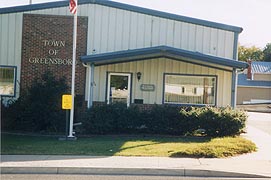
(124, 54)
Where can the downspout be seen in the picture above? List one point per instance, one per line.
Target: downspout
(90, 84)
(234, 72)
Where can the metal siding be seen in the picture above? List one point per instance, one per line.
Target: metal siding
(152, 73)
(126, 30)
(163, 31)
(214, 42)
(104, 30)
(206, 40)
(97, 25)
(148, 31)
(191, 37)
(119, 30)
(185, 32)
(229, 36)
(170, 33)
(199, 39)
(155, 31)
(177, 34)
(90, 42)
(111, 30)
(130, 30)
(4, 40)
(221, 44)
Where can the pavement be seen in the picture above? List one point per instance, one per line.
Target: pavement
(253, 165)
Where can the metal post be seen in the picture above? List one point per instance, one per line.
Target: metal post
(73, 72)
(67, 123)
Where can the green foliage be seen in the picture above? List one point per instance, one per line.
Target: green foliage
(39, 108)
(250, 53)
(255, 54)
(267, 53)
(216, 122)
(168, 120)
(111, 119)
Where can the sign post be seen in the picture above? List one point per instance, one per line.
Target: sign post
(66, 105)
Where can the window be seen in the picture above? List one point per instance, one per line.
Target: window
(190, 89)
(7, 80)
(119, 85)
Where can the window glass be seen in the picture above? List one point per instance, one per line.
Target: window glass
(7, 80)
(186, 89)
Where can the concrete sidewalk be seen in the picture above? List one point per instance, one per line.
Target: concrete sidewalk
(254, 165)
(232, 167)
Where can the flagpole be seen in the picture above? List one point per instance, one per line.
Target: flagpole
(73, 71)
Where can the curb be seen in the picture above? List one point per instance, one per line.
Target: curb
(126, 171)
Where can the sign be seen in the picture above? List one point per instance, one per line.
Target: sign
(147, 87)
(66, 101)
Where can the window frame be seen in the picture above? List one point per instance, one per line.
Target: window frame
(130, 77)
(192, 75)
(14, 80)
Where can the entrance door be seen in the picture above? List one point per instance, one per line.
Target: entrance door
(118, 88)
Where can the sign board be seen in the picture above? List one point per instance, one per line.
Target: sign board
(66, 101)
(147, 87)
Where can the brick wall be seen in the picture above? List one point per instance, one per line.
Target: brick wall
(47, 45)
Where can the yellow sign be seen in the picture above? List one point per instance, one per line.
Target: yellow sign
(66, 101)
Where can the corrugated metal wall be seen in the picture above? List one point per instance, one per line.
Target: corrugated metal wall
(152, 73)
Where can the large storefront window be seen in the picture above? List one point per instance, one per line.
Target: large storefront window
(190, 89)
(7, 80)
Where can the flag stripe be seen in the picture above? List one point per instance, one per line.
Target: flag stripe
(73, 6)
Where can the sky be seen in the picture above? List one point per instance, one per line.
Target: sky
(252, 15)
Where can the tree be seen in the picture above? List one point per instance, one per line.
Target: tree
(250, 53)
(267, 52)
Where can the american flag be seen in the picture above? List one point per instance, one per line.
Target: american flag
(73, 6)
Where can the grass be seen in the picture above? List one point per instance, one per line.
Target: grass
(128, 146)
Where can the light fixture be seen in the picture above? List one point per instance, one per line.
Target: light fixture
(138, 75)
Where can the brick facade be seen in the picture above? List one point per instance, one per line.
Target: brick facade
(47, 45)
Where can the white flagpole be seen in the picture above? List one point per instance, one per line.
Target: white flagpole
(73, 70)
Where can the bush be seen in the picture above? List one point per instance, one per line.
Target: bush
(111, 119)
(216, 122)
(169, 120)
(38, 109)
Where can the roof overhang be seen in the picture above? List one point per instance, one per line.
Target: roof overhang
(163, 52)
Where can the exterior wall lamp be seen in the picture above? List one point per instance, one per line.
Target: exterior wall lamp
(138, 75)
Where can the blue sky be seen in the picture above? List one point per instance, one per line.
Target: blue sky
(252, 15)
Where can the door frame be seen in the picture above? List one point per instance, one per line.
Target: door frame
(108, 76)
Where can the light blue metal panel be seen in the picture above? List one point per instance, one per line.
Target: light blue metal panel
(125, 7)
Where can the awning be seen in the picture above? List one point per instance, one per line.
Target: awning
(160, 52)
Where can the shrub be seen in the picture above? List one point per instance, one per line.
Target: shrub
(111, 119)
(216, 122)
(169, 120)
(38, 109)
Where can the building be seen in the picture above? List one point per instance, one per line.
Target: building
(254, 85)
(124, 53)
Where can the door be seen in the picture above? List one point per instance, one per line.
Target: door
(118, 88)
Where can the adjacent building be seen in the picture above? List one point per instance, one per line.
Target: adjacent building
(124, 53)
(254, 85)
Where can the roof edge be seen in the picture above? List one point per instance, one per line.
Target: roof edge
(164, 51)
(123, 6)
